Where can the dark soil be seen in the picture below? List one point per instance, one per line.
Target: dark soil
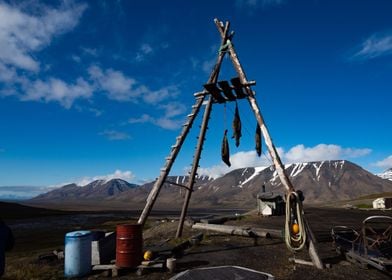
(39, 236)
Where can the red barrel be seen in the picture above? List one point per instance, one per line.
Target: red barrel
(129, 245)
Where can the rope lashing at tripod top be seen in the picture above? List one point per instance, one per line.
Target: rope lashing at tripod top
(224, 47)
(295, 232)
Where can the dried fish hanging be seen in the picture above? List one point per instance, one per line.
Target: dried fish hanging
(258, 139)
(236, 126)
(225, 152)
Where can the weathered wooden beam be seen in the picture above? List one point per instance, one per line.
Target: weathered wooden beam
(299, 261)
(169, 162)
(238, 88)
(279, 167)
(227, 90)
(255, 107)
(215, 92)
(219, 220)
(201, 138)
(177, 146)
(234, 230)
(178, 185)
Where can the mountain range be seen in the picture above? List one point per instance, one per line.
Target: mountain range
(321, 182)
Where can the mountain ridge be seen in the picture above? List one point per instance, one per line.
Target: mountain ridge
(320, 181)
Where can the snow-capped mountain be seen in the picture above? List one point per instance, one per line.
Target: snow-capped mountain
(93, 190)
(322, 181)
(387, 174)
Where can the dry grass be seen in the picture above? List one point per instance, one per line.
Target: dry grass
(26, 266)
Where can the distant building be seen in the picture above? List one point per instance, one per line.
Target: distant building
(382, 203)
(270, 204)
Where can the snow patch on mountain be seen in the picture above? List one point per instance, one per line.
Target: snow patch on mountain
(257, 172)
(387, 174)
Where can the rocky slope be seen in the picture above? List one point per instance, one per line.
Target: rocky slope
(323, 181)
(99, 189)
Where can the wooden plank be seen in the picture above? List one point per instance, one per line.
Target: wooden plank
(232, 230)
(215, 92)
(238, 88)
(227, 90)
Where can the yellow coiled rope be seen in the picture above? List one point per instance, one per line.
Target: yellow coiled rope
(294, 215)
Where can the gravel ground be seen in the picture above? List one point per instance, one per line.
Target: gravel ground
(268, 255)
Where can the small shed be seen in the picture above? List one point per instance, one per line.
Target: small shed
(382, 203)
(270, 204)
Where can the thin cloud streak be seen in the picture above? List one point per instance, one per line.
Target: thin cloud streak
(385, 163)
(375, 46)
(115, 135)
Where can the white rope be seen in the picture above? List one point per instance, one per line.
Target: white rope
(295, 242)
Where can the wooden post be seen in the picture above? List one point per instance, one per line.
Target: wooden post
(177, 146)
(169, 162)
(271, 147)
(253, 103)
(201, 138)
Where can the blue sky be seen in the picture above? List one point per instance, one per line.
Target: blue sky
(99, 89)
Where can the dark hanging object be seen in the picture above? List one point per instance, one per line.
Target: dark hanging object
(225, 152)
(258, 140)
(236, 126)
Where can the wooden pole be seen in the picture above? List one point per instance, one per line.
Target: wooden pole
(268, 140)
(204, 126)
(253, 103)
(169, 162)
(244, 231)
(195, 166)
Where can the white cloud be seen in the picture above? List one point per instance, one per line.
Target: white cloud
(154, 97)
(375, 46)
(169, 118)
(117, 174)
(208, 65)
(90, 51)
(238, 160)
(25, 29)
(298, 153)
(22, 33)
(145, 118)
(120, 87)
(115, 83)
(385, 163)
(144, 50)
(115, 135)
(257, 3)
(57, 90)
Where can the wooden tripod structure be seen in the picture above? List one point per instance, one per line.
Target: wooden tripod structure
(242, 88)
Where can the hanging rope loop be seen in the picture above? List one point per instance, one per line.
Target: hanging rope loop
(295, 232)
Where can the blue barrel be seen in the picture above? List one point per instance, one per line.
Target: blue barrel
(77, 255)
